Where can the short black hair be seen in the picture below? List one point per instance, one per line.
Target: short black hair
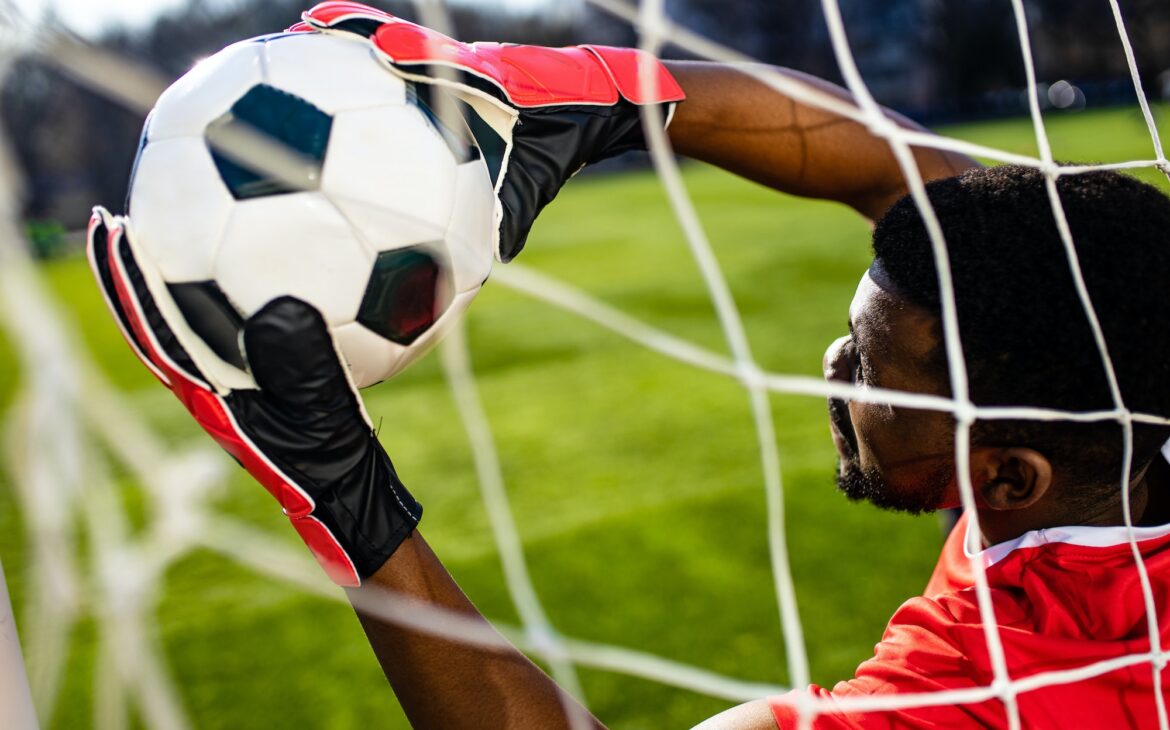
(1025, 335)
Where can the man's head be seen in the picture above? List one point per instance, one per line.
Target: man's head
(1025, 337)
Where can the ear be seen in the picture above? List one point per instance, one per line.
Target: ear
(1011, 478)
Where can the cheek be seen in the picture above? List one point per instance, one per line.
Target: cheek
(900, 442)
(875, 439)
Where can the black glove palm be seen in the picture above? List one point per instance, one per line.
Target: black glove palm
(300, 430)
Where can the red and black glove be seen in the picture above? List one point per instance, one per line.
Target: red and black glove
(538, 114)
(295, 423)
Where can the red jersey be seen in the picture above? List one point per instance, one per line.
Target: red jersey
(1064, 598)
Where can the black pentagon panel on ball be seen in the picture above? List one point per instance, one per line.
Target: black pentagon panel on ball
(213, 317)
(446, 115)
(407, 293)
(274, 37)
(270, 143)
(142, 142)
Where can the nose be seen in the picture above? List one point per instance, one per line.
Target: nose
(838, 362)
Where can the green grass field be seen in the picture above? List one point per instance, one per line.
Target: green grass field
(635, 480)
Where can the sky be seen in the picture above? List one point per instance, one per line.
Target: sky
(90, 17)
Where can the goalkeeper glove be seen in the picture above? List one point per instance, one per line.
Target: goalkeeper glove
(295, 423)
(540, 114)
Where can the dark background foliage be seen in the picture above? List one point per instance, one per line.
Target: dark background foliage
(937, 60)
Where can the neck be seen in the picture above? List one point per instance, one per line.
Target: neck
(1149, 503)
(1157, 482)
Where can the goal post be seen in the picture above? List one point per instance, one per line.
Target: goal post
(16, 703)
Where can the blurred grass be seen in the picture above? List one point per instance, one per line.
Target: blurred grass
(635, 480)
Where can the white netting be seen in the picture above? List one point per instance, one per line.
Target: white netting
(67, 493)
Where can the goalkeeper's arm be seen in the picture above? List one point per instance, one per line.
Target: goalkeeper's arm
(442, 683)
(454, 684)
(735, 121)
(550, 112)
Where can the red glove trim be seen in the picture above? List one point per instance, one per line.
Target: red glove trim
(208, 409)
(328, 552)
(96, 222)
(338, 11)
(529, 76)
(212, 414)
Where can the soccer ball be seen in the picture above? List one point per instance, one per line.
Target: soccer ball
(373, 209)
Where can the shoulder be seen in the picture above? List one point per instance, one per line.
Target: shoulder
(754, 715)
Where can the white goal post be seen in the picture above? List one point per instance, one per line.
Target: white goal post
(16, 703)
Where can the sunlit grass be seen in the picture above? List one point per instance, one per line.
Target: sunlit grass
(635, 480)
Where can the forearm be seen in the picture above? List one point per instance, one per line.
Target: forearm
(449, 684)
(733, 120)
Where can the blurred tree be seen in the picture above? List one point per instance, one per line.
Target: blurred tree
(885, 37)
(975, 50)
(1151, 36)
(935, 59)
(1078, 38)
(789, 33)
(76, 148)
(47, 238)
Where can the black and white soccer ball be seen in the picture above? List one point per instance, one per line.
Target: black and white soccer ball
(375, 211)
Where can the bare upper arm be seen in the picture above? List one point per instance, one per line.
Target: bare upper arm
(734, 120)
(754, 715)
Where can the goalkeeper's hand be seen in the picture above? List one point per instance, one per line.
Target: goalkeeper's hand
(540, 114)
(295, 423)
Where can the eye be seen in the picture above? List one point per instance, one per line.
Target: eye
(852, 360)
(858, 363)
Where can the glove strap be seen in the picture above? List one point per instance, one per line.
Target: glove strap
(529, 77)
(626, 67)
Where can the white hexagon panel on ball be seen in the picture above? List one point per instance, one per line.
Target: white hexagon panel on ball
(473, 221)
(334, 72)
(370, 357)
(391, 175)
(207, 91)
(296, 245)
(180, 207)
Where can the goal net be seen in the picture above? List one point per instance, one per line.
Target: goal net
(93, 558)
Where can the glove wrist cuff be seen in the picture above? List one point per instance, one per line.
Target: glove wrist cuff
(369, 519)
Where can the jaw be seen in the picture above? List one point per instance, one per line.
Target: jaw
(926, 486)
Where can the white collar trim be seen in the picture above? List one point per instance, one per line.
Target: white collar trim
(1076, 535)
